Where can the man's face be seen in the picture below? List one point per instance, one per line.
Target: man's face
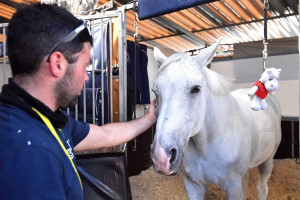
(70, 86)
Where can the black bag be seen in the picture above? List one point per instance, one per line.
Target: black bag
(104, 176)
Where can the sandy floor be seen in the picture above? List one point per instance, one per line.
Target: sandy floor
(284, 184)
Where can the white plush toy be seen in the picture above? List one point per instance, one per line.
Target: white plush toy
(259, 91)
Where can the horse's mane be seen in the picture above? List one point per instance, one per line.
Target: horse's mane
(217, 83)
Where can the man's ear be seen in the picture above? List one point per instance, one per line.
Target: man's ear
(57, 64)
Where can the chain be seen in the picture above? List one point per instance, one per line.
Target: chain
(265, 54)
(136, 25)
(265, 40)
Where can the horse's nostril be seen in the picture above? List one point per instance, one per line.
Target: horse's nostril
(173, 153)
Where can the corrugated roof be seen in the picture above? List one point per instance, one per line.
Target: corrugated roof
(236, 21)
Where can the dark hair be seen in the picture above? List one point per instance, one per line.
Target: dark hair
(34, 30)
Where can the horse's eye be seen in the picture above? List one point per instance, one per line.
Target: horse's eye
(195, 89)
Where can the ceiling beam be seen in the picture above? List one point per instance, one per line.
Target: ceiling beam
(220, 27)
(195, 39)
(10, 3)
(212, 16)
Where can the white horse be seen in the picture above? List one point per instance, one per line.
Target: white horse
(213, 132)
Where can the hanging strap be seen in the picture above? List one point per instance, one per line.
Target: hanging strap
(51, 128)
(265, 40)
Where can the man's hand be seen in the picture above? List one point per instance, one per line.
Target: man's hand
(152, 111)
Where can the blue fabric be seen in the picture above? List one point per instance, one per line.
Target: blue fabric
(142, 82)
(100, 43)
(89, 107)
(153, 8)
(32, 163)
(100, 47)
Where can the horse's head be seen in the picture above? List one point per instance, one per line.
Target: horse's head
(180, 89)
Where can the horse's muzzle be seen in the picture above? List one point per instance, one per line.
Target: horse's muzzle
(165, 161)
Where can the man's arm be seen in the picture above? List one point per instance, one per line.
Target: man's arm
(117, 133)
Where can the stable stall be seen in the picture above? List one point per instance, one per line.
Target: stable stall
(119, 88)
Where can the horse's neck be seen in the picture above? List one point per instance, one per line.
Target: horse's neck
(217, 117)
(218, 108)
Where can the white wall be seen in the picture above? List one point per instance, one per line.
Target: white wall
(247, 71)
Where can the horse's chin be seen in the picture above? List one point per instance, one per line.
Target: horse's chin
(173, 173)
(172, 170)
(168, 173)
(166, 160)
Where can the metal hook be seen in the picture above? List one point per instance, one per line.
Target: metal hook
(124, 147)
(266, 4)
(134, 147)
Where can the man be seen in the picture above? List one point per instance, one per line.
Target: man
(49, 51)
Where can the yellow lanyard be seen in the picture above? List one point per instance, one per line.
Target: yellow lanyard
(51, 128)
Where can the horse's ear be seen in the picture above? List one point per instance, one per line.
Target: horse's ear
(159, 56)
(206, 55)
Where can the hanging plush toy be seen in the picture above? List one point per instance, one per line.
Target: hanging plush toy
(259, 91)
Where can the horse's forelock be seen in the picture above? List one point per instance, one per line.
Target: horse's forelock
(172, 59)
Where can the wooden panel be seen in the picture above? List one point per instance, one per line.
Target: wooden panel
(116, 99)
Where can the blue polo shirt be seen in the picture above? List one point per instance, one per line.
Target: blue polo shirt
(32, 163)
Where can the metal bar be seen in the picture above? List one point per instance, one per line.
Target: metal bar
(96, 70)
(3, 25)
(76, 111)
(110, 67)
(93, 75)
(84, 102)
(102, 74)
(122, 66)
(219, 27)
(100, 16)
(4, 56)
(293, 141)
(124, 36)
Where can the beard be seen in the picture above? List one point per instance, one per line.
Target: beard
(67, 94)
